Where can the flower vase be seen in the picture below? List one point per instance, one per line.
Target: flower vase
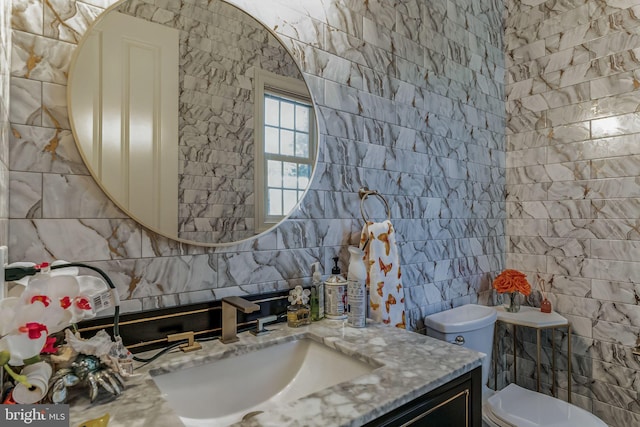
(512, 303)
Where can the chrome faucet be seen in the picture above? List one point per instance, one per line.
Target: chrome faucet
(230, 307)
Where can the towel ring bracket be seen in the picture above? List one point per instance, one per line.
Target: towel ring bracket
(364, 192)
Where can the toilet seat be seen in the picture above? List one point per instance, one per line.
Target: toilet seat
(515, 406)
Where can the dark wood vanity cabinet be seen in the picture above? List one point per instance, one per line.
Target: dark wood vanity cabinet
(455, 404)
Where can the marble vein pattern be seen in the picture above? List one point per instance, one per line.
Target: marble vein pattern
(572, 183)
(410, 102)
(406, 363)
(5, 113)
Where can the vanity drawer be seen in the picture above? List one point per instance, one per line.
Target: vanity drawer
(455, 404)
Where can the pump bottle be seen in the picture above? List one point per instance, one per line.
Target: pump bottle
(317, 293)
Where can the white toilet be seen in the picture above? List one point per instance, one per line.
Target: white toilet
(513, 406)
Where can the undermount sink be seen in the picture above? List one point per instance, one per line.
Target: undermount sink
(225, 391)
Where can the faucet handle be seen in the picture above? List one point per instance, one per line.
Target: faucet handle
(260, 329)
(191, 343)
(241, 304)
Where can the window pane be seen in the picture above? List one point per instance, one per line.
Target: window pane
(290, 198)
(302, 118)
(271, 140)
(290, 176)
(271, 113)
(302, 145)
(274, 173)
(286, 142)
(304, 174)
(287, 113)
(275, 202)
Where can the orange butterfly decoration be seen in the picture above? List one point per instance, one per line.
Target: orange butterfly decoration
(370, 262)
(363, 240)
(390, 229)
(386, 268)
(402, 325)
(386, 321)
(399, 274)
(391, 300)
(374, 306)
(384, 238)
(380, 286)
(398, 287)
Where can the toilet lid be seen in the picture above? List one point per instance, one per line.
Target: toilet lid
(516, 406)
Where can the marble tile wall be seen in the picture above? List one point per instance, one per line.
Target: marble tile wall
(220, 48)
(410, 102)
(5, 74)
(572, 174)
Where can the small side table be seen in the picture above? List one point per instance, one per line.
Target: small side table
(532, 317)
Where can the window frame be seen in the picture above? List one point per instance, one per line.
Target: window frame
(295, 90)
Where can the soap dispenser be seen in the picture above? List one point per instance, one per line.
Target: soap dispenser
(335, 294)
(317, 293)
(356, 289)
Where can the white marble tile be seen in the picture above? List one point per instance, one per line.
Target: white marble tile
(73, 239)
(101, 3)
(615, 250)
(54, 106)
(615, 208)
(75, 196)
(27, 15)
(526, 227)
(25, 189)
(40, 149)
(549, 246)
(40, 58)
(26, 101)
(615, 415)
(613, 85)
(66, 20)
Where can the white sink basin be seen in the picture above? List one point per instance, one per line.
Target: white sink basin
(226, 390)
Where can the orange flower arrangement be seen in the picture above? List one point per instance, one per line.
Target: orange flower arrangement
(512, 281)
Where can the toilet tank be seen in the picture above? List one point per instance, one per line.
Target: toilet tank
(474, 323)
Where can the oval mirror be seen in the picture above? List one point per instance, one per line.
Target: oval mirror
(196, 122)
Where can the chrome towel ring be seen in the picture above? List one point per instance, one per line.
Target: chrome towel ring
(364, 192)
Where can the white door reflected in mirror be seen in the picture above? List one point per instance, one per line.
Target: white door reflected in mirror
(131, 142)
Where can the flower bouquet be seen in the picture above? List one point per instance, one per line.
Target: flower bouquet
(513, 283)
(38, 307)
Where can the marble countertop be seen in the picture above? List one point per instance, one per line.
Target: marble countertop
(412, 364)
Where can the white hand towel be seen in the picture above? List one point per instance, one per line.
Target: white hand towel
(386, 294)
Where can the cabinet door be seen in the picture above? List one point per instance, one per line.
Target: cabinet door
(455, 404)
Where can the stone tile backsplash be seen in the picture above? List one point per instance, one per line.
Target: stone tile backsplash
(5, 128)
(572, 183)
(503, 134)
(410, 102)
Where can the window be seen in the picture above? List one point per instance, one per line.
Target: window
(285, 146)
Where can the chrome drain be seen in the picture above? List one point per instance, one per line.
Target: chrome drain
(251, 415)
